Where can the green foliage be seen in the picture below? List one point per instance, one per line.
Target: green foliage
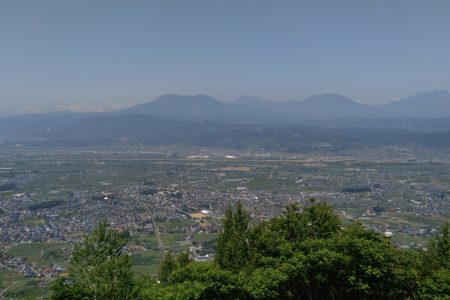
(183, 259)
(233, 243)
(436, 286)
(299, 255)
(98, 269)
(316, 221)
(198, 281)
(438, 253)
(319, 221)
(436, 267)
(170, 264)
(265, 246)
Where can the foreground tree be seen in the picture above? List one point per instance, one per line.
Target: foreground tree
(170, 264)
(98, 268)
(307, 255)
(316, 221)
(233, 243)
(299, 255)
(206, 281)
(437, 255)
(436, 267)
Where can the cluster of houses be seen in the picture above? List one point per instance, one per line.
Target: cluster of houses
(22, 265)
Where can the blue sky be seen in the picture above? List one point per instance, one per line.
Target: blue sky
(89, 54)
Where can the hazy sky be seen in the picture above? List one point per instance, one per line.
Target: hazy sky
(90, 53)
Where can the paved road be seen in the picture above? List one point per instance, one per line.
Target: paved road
(155, 226)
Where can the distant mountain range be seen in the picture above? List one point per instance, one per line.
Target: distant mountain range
(320, 107)
(331, 121)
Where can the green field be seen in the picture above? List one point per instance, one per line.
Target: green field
(35, 251)
(19, 287)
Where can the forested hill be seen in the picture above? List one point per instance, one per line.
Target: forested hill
(74, 130)
(298, 255)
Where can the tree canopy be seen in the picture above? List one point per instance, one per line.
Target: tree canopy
(302, 254)
(98, 268)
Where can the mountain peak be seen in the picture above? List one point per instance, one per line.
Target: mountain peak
(422, 105)
(180, 107)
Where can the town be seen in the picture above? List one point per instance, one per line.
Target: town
(175, 202)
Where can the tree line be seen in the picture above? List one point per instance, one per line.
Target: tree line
(302, 254)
